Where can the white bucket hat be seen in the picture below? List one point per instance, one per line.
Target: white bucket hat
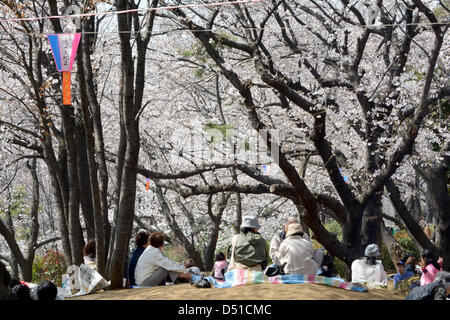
(250, 222)
(372, 251)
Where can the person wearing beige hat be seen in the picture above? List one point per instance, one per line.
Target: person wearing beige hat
(296, 253)
(279, 236)
(248, 248)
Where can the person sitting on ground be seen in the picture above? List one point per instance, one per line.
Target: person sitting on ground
(430, 267)
(191, 267)
(14, 282)
(153, 267)
(46, 291)
(141, 242)
(21, 292)
(296, 254)
(327, 267)
(89, 254)
(439, 289)
(368, 269)
(280, 236)
(248, 248)
(402, 273)
(410, 264)
(220, 266)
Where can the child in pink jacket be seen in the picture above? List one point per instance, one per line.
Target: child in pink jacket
(220, 266)
(430, 267)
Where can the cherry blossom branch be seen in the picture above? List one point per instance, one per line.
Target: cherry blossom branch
(410, 134)
(182, 174)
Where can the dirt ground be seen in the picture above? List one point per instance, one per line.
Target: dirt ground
(250, 292)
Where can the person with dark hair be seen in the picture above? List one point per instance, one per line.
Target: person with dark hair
(89, 254)
(430, 267)
(402, 273)
(220, 266)
(368, 269)
(21, 292)
(153, 267)
(248, 248)
(141, 242)
(46, 291)
(189, 264)
(410, 264)
(14, 282)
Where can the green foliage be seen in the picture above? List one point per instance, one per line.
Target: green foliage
(51, 267)
(224, 129)
(386, 260)
(334, 227)
(198, 72)
(18, 207)
(406, 242)
(341, 267)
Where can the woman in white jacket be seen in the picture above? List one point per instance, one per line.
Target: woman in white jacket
(153, 267)
(296, 253)
(369, 270)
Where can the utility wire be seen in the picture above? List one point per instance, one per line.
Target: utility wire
(107, 13)
(215, 29)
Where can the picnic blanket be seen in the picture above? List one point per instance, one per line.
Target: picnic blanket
(242, 277)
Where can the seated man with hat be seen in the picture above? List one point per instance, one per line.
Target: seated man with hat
(248, 248)
(402, 273)
(296, 253)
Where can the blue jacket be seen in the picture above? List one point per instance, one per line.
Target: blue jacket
(398, 277)
(133, 262)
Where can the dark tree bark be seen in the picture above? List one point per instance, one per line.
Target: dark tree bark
(133, 83)
(92, 164)
(83, 177)
(214, 233)
(437, 183)
(5, 278)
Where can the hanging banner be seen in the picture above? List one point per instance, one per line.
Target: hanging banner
(64, 48)
(67, 93)
(147, 186)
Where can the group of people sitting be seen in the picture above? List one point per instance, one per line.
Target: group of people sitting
(291, 252)
(433, 284)
(291, 249)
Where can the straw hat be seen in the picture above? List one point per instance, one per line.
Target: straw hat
(294, 228)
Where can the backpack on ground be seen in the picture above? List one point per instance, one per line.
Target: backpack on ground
(250, 249)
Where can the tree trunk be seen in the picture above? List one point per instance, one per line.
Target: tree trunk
(128, 182)
(396, 252)
(88, 126)
(122, 147)
(437, 182)
(83, 178)
(413, 227)
(99, 147)
(371, 222)
(216, 219)
(75, 235)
